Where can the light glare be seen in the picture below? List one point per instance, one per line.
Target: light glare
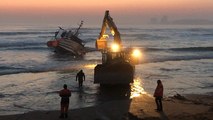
(136, 53)
(136, 88)
(90, 66)
(115, 47)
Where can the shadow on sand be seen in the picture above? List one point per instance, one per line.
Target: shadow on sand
(116, 105)
(163, 116)
(114, 102)
(114, 92)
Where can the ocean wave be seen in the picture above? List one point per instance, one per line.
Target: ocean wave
(41, 48)
(168, 70)
(11, 70)
(30, 71)
(36, 69)
(21, 44)
(2, 95)
(184, 49)
(24, 46)
(46, 36)
(144, 36)
(199, 29)
(9, 95)
(157, 76)
(7, 72)
(193, 49)
(207, 34)
(24, 33)
(207, 86)
(178, 58)
(8, 67)
(89, 39)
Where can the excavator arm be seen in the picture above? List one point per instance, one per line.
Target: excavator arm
(101, 42)
(116, 67)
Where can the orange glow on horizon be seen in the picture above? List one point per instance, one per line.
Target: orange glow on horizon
(98, 4)
(135, 11)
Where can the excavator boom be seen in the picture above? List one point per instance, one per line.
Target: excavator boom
(108, 21)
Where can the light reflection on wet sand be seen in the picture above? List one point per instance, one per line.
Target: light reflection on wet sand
(90, 66)
(137, 88)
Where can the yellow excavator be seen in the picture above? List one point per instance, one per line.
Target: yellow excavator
(117, 66)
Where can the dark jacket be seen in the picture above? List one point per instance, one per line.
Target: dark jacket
(159, 91)
(80, 76)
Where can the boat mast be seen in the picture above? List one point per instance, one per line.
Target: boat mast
(76, 32)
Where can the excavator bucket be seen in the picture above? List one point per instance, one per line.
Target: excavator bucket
(101, 44)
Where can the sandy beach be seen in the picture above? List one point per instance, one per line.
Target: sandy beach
(178, 107)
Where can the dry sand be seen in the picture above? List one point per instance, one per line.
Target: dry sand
(192, 107)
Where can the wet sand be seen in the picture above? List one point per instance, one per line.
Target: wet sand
(187, 107)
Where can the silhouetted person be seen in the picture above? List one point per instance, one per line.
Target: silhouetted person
(64, 94)
(80, 77)
(159, 95)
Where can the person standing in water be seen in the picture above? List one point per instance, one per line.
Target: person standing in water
(159, 95)
(64, 94)
(80, 77)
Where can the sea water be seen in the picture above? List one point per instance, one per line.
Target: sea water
(31, 74)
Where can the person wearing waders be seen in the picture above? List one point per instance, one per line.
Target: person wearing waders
(80, 77)
(64, 94)
(159, 95)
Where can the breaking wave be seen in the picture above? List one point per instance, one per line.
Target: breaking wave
(193, 49)
(189, 49)
(178, 58)
(38, 45)
(24, 33)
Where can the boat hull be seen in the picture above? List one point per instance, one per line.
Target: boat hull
(70, 45)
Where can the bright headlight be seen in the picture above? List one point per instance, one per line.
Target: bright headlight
(115, 47)
(136, 53)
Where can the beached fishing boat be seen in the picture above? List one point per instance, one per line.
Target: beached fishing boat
(68, 41)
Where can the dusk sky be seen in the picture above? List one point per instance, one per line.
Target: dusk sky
(92, 11)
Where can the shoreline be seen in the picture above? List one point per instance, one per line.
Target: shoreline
(178, 107)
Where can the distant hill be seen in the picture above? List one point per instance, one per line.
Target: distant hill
(193, 22)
